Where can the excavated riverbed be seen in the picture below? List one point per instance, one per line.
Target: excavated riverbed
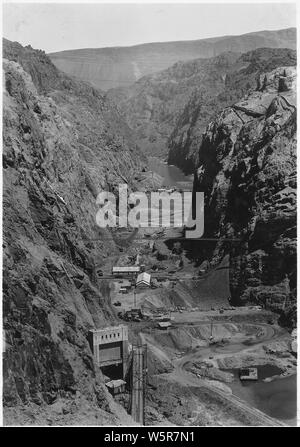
(206, 346)
(190, 358)
(277, 398)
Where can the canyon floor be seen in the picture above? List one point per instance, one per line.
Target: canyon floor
(193, 364)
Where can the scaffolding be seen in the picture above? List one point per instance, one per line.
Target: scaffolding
(138, 382)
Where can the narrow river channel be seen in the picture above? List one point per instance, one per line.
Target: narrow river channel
(172, 175)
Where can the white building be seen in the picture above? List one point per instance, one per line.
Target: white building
(143, 280)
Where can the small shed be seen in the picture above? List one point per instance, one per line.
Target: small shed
(164, 324)
(116, 386)
(143, 280)
(248, 374)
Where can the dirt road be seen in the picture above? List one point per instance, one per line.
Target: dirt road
(185, 378)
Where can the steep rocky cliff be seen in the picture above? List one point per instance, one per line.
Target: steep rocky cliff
(238, 78)
(120, 66)
(63, 142)
(152, 105)
(169, 110)
(247, 169)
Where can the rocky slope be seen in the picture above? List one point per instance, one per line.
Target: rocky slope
(169, 110)
(237, 79)
(247, 169)
(63, 143)
(114, 67)
(153, 105)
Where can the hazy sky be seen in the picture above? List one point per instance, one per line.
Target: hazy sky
(55, 27)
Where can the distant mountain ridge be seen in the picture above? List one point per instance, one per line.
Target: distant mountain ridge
(170, 110)
(107, 68)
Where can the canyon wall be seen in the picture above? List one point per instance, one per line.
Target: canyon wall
(63, 143)
(247, 168)
(169, 110)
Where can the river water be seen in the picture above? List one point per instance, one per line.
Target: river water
(172, 175)
(278, 398)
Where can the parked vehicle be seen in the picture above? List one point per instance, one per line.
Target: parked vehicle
(117, 303)
(123, 290)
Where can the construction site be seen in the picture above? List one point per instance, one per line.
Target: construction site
(180, 344)
(149, 218)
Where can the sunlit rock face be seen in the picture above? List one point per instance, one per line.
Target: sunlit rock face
(224, 85)
(169, 110)
(63, 143)
(247, 169)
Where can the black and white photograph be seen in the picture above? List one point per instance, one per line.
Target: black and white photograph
(149, 221)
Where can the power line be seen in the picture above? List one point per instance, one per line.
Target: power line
(163, 239)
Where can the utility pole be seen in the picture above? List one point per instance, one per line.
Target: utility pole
(134, 297)
(211, 331)
(134, 292)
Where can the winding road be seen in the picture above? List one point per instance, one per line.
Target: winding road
(185, 378)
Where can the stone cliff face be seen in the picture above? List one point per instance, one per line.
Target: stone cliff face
(63, 142)
(240, 75)
(247, 169)
(107, 68)
(153, 105)
(169, 110)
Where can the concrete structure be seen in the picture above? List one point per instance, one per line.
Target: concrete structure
(143, 280)
(110, 346)
(248, 374)
(138, 383)
(133, 315)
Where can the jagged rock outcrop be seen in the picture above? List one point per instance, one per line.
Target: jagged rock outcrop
(153, 105)
(247, 169)
(63, 143)
(169, 110)
(119, 66)
(238, 78)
